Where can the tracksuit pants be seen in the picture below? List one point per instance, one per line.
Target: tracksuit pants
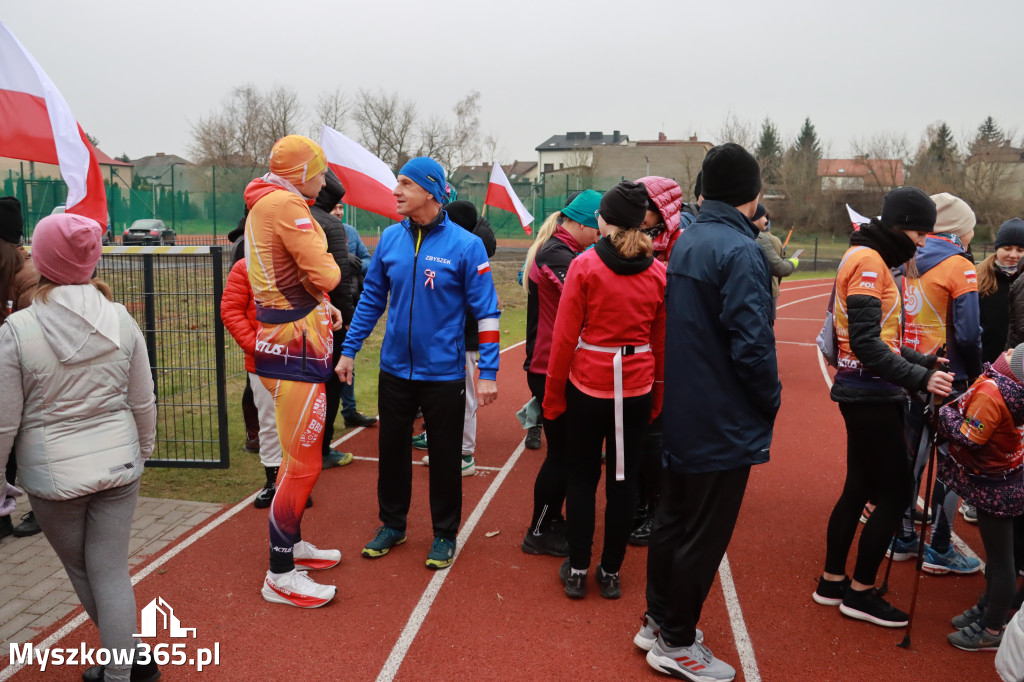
(549, 488)
(692, 529)
(443, 404)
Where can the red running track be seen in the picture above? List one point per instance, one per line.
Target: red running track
(501, 614)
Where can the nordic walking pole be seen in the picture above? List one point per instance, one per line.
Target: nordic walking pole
(934, 422)
(892, 551)
(786, 243)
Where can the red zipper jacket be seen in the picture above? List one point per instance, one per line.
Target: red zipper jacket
(608, 308)
(238, 312)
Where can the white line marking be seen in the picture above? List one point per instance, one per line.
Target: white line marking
(797, 343)
(809, 298)
(420, 463)
(809, 286)
(801, 319)
(419, 614)
(744, 647)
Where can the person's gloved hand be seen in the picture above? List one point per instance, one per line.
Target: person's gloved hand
(8, 504)
(795, 261)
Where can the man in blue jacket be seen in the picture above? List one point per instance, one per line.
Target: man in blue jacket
(722, 393)
(433, 271)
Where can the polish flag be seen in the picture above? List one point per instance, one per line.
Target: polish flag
(37, 125)
(368, 181)
(500, 195)
(856, 218)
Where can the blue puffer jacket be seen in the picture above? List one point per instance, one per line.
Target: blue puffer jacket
(430, 288)
(722, 387)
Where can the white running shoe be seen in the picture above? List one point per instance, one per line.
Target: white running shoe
(694, 662)
(296, 589)
(306, 555)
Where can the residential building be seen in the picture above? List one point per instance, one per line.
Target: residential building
(574, 149)
(860, 173)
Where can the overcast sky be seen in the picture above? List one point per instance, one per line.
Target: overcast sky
(137, 73)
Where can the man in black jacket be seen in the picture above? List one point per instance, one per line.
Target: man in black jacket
(722, 393)
(342, 297)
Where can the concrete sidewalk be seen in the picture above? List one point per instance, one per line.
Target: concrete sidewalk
(34, 589)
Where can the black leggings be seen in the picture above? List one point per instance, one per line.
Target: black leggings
(549, 488)
(877, 469)
(1000, 573)
(589, 421)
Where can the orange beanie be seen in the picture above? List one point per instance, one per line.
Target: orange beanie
(297, 158)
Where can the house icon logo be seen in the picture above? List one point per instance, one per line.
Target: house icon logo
(170, 622)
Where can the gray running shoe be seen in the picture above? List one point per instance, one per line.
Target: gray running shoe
(694, 662)
(974, 637)
(649, 631)
(967, 617)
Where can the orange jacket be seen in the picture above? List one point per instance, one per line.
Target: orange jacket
(238, 312)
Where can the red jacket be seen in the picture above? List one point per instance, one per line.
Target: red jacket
(238, 312)
(547, 278)
(606, 308)
(668, 197)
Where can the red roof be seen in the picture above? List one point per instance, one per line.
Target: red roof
(106, 160)
(885, 171)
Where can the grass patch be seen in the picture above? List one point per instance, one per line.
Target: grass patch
(245, 473)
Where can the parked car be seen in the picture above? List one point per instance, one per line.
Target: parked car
(149, 231)
(108, 234)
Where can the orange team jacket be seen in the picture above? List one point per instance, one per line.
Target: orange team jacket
(863, 272)
(987, 422)
(290, 272)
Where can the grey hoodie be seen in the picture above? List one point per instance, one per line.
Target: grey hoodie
(78, 403)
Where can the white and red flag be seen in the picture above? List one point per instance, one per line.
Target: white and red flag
(856, 218)
(37, 125)
(500, 195)
(368, 181)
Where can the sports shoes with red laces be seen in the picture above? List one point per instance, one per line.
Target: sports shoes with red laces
(694, 662)
(307, 556)
(295, 588)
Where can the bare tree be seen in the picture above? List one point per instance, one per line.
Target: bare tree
(466, 132)
(735, 130)
(385, 124)
(489, 149)
(331, 109)
(245, 109)
(438, 141)
(282, 115)
(214, 140)
(883, 151)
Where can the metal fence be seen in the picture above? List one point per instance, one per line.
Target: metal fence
(174, 293)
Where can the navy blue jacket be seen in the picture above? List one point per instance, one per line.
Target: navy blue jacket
(427, 289)
(722, 388)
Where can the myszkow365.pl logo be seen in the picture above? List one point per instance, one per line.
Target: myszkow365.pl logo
(155, 614)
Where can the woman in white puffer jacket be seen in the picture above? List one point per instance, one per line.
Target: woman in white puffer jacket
(79, 409)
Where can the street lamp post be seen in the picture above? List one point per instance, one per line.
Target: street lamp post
(152, 184)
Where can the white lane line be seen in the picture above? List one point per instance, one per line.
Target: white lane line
(744, 647)
(824, 283)
(809, 298)
(417, 462)
(797, 343)
(801, 319)
(957, 540)
(419, 614)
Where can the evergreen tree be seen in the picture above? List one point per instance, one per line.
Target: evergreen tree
(769, 151)
(989, 136)
(807, 144)
(942, 149)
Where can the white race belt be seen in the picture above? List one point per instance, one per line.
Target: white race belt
(619, 351)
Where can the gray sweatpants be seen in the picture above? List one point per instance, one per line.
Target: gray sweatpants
(90, 536)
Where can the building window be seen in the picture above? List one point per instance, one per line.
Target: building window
(548, 167)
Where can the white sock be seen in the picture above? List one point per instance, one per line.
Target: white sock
(576, 571)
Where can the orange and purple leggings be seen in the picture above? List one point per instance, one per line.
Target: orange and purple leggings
(299, 410)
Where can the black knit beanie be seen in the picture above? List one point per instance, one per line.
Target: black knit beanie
(1011, 233)
(908, 208)
(730, 174)
(760, 212)
(462, 213)
(625, 205)
(10, 220)
(696, 186)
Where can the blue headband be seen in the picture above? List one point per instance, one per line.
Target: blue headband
(429, 175)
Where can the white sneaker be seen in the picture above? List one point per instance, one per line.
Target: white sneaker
(649, 631)
(468, 465)
(296, 589)
(694, 662)
(306, 555)
(426, 460)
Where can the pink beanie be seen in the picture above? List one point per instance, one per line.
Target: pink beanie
(66, 248)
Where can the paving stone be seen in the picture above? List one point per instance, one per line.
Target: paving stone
(10, 626)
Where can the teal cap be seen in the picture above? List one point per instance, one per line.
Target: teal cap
(582, 208)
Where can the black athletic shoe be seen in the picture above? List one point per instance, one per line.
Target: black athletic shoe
(609, 582)
(641, 535)
(28, 526)
(575, 585)
(869, 606)
(831, 592)
(548, 541)
(265, 496)
(533, 438)
(358, 419)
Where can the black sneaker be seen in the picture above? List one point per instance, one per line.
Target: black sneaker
(868, 605)
(641, 535)
(357, 419)
(575, 585)
(265, 496)
(28, 526)
(831, 592)
(609, 582)
(533, 438)
(548, 541)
